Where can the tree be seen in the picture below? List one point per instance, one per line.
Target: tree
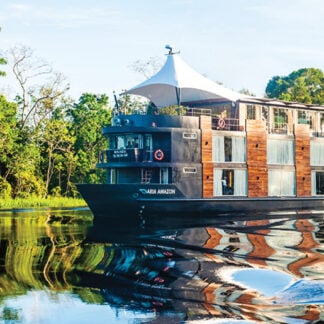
(40, 87)
(3, 61)
(132, 104)
(247, 92)
(8, 135)
(146, 67)
(304, 85)
(57, 142)
(88, 117)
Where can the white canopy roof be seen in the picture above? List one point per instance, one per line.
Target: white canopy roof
(177, 83)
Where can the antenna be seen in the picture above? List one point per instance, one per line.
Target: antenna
(169, 47)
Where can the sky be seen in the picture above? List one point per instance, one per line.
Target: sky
(95, 43)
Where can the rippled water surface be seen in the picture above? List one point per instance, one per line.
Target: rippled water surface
(60, 266)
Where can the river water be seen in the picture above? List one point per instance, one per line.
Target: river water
(58, 266)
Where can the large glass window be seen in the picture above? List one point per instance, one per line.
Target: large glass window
(280, 120)
(112, 176)
(164, 175)
(231, 182)
(265, 113)
(305, 117)
(317, 153)
(229, 149)
(317, 183)
(281, 151)
(281, 183)
(117, 142)
(250, 112)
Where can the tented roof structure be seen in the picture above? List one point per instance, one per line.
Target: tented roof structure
(177, 83)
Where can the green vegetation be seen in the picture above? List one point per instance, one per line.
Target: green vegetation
(304, 85)
(35, 202)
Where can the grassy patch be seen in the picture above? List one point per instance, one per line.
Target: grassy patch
(41, 202)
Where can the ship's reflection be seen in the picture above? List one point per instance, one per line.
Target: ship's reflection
(253, 268)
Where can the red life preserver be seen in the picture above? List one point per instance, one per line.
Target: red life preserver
(158, 155)
(221, 123)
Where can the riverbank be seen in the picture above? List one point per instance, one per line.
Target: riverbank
(41, 202)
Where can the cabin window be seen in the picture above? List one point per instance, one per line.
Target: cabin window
(111, 176)
(164, 175)
(250, 112)
(305, 117)
(280, 121)
(322, 123)
(229, 149)
(128, 175)
(281, 151)
(148, 148)
(189, 135)
(317, 183)
(146, 175)
(189, 170)
(231, 182)
(281, 183)
(317, 153)
(265, 113)
(118, 142)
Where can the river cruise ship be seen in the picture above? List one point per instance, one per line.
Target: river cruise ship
(226, 153)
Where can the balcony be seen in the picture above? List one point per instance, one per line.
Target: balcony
(226, 124)
(132, 155)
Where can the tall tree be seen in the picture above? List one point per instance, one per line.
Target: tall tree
(88, 117)
(40, 87)
(57, 142)
(304, 85)
(8, 136)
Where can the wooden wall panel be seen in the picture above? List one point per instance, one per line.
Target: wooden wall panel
(207, 156)
(208, 179)
(205, 122)
(256, 144)
(302, 158)
(206, 145)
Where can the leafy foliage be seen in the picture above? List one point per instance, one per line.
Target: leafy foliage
(3, 61)
(304, 85)
(88, 117)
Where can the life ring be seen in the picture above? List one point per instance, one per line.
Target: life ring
(158, 155)
(221, 123)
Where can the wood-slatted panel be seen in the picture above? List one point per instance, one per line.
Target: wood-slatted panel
(302, 158)
(206, 156)
(206, 145)
(208, 179)
(256, 143)
(205, 122)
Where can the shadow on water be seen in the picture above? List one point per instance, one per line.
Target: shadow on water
(254, 267)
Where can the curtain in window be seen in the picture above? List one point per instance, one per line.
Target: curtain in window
(240, 183)
(281, 152)
(218, 190)
(314, 192)
(317, 153)
(238, 149)
(281, 183)
(218, 149)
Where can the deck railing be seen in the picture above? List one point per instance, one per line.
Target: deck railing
(226, 124)
(279, 128)
(133, 155)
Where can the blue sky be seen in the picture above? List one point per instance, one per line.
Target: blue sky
(241, 43)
